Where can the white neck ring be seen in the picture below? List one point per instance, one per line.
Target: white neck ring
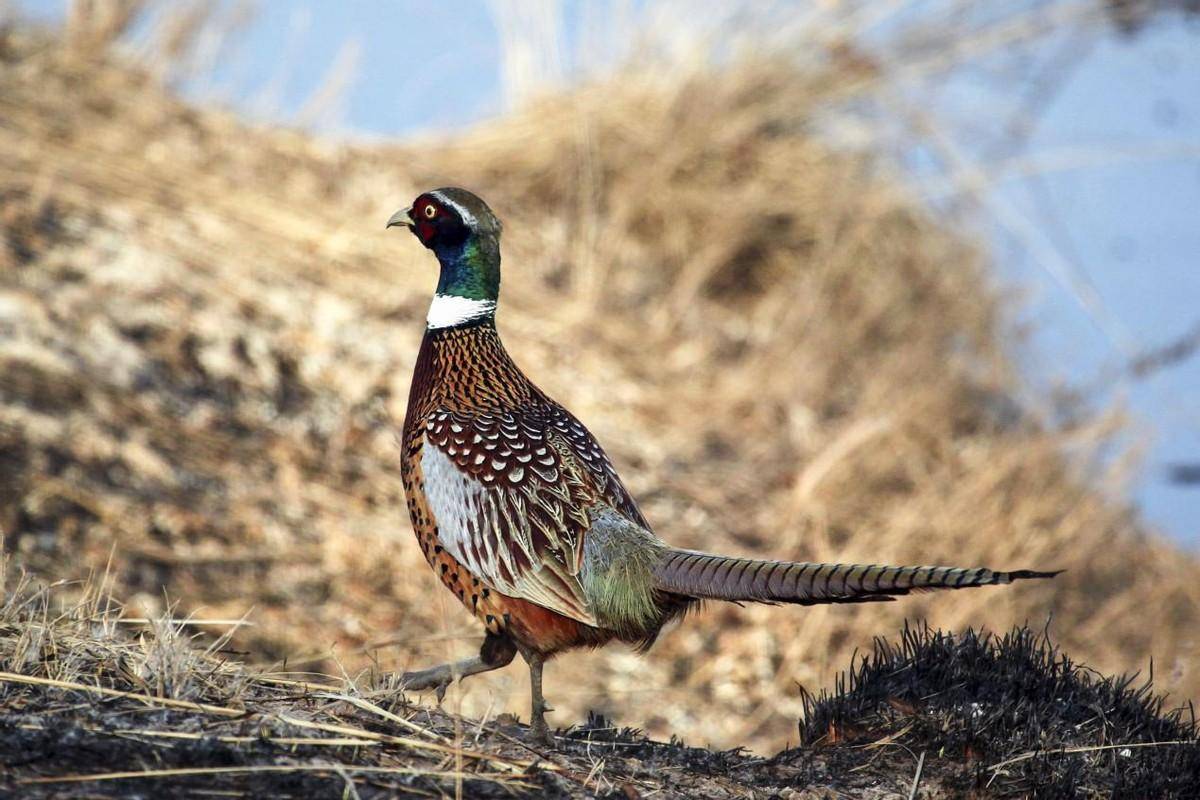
(448, 310)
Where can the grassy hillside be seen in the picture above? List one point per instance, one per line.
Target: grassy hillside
(206, 338)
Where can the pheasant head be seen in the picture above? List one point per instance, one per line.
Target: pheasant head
(464, 234)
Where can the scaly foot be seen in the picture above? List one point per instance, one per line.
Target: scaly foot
(540, 733)
(537, 707)
(441, 676)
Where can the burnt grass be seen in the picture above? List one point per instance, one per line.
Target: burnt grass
(976, 701)
(992, 716)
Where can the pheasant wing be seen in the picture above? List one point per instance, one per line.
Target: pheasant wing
(512, 492)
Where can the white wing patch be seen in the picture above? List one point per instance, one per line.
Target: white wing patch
(455, 501)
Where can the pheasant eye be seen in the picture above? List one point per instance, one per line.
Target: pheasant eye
(430, 211)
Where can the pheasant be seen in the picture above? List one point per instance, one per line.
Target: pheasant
(520, 513)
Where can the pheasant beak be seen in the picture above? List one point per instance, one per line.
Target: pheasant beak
(401, 217)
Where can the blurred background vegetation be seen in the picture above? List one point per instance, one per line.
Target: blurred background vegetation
(890, 281)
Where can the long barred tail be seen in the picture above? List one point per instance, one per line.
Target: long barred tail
(687, 572)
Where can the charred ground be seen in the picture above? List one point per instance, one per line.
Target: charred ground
(91, 710)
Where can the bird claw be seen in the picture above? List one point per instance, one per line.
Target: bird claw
(425, 679)
(540, 733)
(414, 683)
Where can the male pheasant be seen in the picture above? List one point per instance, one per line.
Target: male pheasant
(523, 517)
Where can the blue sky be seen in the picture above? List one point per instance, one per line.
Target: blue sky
(1130, 232)
(1105, 247)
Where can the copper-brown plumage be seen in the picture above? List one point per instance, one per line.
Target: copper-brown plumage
(523, 517)
(464, 385)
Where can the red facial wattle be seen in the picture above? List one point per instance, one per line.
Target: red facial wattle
(425, 231)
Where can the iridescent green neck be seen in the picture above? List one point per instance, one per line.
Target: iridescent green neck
(470, 269)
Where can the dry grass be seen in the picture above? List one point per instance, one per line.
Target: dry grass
(194, 714)
(92, 710)
(207, 337)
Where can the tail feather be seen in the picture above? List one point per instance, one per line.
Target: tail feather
(704, 575)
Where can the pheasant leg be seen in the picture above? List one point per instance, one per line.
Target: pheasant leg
(538, 707)
(495, 653)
